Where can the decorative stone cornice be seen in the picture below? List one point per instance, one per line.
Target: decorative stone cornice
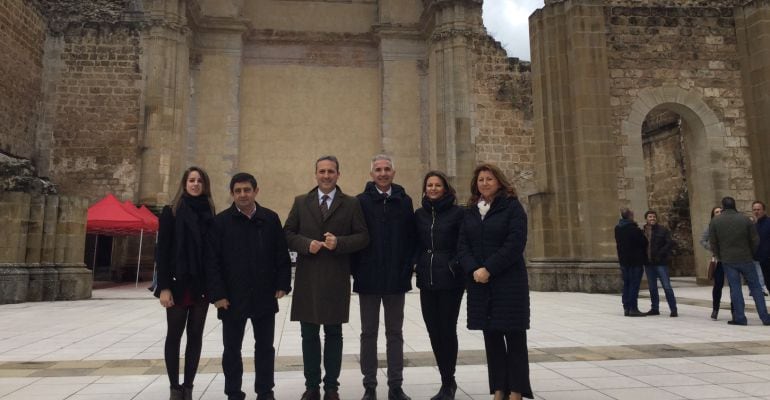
(278, 36)
(451, 33)
(206, 23)
(440, 21)
(398, 31)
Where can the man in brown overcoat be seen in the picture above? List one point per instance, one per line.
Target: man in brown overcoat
(324, 227)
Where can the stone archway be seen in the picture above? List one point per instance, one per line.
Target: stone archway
(705, 138)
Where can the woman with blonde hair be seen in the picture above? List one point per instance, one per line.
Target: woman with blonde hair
(491, 252)
(181, 282)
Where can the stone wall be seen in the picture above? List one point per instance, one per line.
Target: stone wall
(22, 34)
(91, 131)
(503, 130)
(694, 49)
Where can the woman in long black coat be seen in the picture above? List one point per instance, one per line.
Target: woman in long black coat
(491, 252)
(181, 277)
(439, 276)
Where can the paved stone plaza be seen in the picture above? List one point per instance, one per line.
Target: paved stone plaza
(110, 347)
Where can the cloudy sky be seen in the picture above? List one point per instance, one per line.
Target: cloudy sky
(506, 21)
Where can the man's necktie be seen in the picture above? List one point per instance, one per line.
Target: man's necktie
(324, 206)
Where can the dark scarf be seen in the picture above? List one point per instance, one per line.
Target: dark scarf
(446, 201)
(192, 218)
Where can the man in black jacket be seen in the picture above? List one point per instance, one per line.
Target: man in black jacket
(248, 271)
(659, 248)
(632, 255)
(382, 273)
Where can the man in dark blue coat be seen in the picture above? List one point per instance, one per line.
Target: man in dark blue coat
(762, 255)
(632, 255)
(382, 274)
(248, 270)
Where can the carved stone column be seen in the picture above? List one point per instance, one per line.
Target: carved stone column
(450, 26)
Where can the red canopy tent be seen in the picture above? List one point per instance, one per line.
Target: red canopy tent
(111, 217)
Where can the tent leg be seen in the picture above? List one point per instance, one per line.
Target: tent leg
(93, 265)
(139, 257)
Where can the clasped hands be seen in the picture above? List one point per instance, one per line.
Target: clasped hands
(225, 304)
(481, 275)
(330, 242)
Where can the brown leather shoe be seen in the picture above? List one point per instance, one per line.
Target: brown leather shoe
(311, 394)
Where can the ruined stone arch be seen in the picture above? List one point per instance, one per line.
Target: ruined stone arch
(705, 139)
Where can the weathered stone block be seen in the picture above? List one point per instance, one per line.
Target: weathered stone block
(43, 284)
(75, 282)
(14, 282)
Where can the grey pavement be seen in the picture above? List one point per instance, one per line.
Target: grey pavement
(581, 347)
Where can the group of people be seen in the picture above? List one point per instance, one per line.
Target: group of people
(740, 248)
(239, 261)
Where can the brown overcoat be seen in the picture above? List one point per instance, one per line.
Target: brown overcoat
(322, 280)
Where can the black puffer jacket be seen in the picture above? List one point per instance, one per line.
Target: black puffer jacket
(497, 242)
(438, 225)
(385, 266)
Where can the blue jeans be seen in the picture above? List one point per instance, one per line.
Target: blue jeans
(632, 279)
(760, 276)
(655, 272)
(749, 271)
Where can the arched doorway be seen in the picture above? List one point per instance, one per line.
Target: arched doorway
(666, 169)
(702, 151)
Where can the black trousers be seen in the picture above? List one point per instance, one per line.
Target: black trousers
(765, 267)
(264, 355)
(311, 355)
(193, 318)
(440, 309)
(508, 362)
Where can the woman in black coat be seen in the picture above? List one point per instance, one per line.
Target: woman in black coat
(438, 275)
(491, 252)
(181, 278)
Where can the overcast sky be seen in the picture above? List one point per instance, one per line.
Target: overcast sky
(507, 22)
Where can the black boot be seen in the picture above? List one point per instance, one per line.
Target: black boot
(187, 392)
(176, 393)
(714, 314)
(448, 391)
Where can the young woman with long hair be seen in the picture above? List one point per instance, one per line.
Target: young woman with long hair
(181, 283)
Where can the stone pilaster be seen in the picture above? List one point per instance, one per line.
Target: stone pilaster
(217, 49)
(451, 25)
(574, 208)
(14, 277)
(75, 280)
(166, 55)
(752, 26)
(402, 51)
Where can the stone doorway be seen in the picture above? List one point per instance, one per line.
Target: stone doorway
(702, 174)
(666, 170)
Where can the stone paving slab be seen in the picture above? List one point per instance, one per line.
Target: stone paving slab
(581, 347)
